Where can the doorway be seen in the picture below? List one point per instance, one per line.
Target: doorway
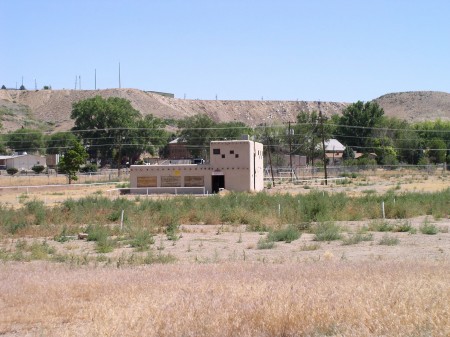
(218, 182)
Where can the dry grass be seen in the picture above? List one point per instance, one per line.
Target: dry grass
(241, 299)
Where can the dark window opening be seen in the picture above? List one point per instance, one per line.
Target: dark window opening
(236, 155)
(216, 151)
(223, 156)
(231, 151)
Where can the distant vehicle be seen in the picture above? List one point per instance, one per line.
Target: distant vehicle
(198, 161)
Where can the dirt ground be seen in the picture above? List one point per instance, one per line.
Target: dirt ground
(209, 243)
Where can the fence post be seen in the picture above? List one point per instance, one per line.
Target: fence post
(382, 209)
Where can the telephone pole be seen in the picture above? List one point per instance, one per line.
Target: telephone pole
(290, 149)
(323, 145)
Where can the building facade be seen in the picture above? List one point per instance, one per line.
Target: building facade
(235, 165)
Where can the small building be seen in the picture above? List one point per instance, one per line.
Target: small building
(177, 149)
(22, 162)
(235, 165)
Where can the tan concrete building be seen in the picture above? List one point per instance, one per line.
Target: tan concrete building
(235, 165)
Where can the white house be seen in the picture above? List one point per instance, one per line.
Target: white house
(22, 161)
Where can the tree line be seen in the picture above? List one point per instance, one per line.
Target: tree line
(112, 132)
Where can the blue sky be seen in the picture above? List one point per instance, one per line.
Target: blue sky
(341, 50)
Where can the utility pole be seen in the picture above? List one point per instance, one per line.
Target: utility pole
(323, 145)
(290, 149)
(270, 157)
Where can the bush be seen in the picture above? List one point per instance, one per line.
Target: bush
(12, 171)
(142, 240)
(89, 168)
(380, 226)
(357, 238)
(38, 168)
(389, 240)
(287, 234)
(429, 229)
(405, 227)
(327, 231)
(265, 243)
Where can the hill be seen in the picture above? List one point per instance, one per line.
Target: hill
(50, 110)
(416, 106)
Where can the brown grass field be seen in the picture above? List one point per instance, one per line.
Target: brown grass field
(326, 298)
(220, 284)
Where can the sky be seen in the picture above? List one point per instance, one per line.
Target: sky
(328, 50)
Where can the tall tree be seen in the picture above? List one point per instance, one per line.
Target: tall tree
(72, 160)
(307, 135)
(59, 142)
(356, 125)
(113, 128)
(25, 140)
(197, 131)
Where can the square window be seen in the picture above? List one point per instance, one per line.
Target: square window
(216, 151)
(231, 151)
(236, 155)
(223, 156)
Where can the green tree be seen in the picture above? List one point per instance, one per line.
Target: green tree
(437, 150)
(112, 128)
(356, 125)
(72, 160)
(308, 133)
(197, 131)
(231, 131)
(25, 140)
(348, 153)
(58, 142)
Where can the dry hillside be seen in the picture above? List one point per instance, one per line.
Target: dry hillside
(416, 106)
(50, 109)
(53, 107)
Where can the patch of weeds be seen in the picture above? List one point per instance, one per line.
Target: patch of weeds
(310, 247)
(327, 231)
(265, 243)
(380, 226)
(344, 181)
(123, 185)
(405, 227)
(388, 240)
(142, 240)
(105, 245)
(40, 251)
(357, 238)
(443, 229)
(429, 229)
(151, 258)
(172, 232)
(37, 209)
(288, 234)
(22, 198)
(62, 237)
(306, 187)
(97, 233)
(369, 191)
